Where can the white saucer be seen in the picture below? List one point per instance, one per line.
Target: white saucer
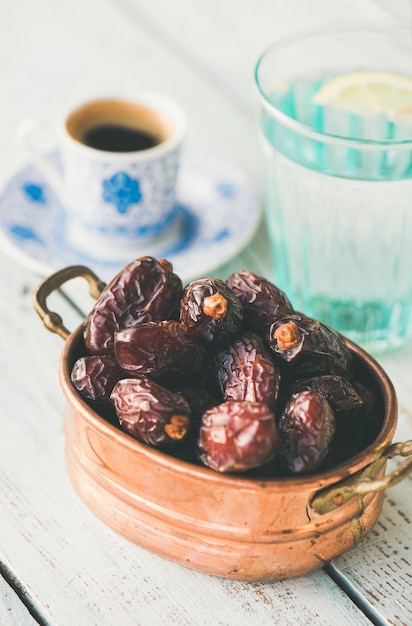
(217, 214)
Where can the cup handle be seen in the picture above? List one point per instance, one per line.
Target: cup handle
(29, 135)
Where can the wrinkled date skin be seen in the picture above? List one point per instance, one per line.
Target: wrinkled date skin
(308, 347)
(95, 376)
(150, 413)
(263, 303)
(237, 436)
(163, 351)
(145, 290)
(210, 310)
(246, 371)
(307, 428)
(343, 398)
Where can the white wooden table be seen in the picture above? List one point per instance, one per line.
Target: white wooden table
(59, 564)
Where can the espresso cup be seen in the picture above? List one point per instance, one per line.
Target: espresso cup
(119, 165)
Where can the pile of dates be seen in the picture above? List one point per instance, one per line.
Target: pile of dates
(222, 373)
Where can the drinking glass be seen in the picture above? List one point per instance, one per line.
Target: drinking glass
(338, 183)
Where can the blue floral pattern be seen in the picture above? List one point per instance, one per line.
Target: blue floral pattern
(215, 214)
(34, 192)
(24, 232)
(122, 191)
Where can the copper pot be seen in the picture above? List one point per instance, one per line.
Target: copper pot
(240, 528)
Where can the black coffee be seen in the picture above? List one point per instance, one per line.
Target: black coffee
(117, 138)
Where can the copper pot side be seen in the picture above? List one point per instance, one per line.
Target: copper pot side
(230, 526)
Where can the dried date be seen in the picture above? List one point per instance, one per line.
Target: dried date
(210, 310)
(150, 413)
(342, 396)
(163, 351)
(246, 371)
(309, 348)
(237, 436)
(263, 303)
(306, 428)
(95, 376)
(145, 290)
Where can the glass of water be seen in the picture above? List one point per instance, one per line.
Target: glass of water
(335, 119)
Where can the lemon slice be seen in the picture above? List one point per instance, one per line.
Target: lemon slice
(369, 92)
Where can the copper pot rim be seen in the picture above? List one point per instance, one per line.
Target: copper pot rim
(282, 484)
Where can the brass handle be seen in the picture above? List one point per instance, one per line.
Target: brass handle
(51, 320)
(365, 481)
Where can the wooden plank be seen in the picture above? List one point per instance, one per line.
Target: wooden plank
(12, 610)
